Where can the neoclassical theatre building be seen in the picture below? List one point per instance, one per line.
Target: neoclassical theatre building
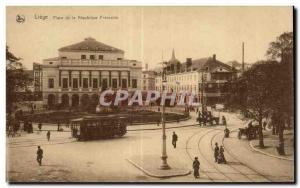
(82, 70)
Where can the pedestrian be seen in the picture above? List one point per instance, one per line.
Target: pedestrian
(174, 139)
(39, 155)
(226, 132)
(58, 125)
(30, 128)
(221, 158)
(196, 167)
(216, 152)
(224, 120)
(177, 118)
(40, 127)
(48, 135)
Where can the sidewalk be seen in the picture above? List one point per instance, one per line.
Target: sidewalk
(150, 166)
(271, 142)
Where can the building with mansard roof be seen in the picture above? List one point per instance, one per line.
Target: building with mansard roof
(208, 78)
(82, 70)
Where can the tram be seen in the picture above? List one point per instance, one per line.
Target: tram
(98, 127)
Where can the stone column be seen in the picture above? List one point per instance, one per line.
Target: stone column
(129, 79)
(59, 98)
(90, 78)
(70, 100)
(109, 79)
(100, 79)
(59, 78)
(70, 78)
(79, 101)
(80, 78)
(119, 72)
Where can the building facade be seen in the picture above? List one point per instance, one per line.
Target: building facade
(207, 78)
(148, 80)
(83, 70)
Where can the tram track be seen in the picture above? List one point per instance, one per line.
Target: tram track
(218, 171)
(208, 162)
(42, 144)
(190, 156)
(236, 160)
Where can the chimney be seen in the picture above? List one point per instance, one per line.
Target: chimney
(214, 57)
(146, 66)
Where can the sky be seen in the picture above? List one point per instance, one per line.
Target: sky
(149, 34)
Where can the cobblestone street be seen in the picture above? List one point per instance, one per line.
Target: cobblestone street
(66, 159)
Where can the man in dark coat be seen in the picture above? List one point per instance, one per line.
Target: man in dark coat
(48, 135)
(39, 154)
(216, 152)
(196, 167)
(40, 126)
(174, 139)
(224, 120)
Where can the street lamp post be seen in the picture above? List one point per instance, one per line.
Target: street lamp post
(164, 164)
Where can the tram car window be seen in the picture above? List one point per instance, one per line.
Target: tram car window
(98, 127)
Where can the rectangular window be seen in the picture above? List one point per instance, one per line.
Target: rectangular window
(85, 82)
(83, 56)
(51, 83)
(104, 83)
(101, 57)
(65, 82)
(92, 57)
(75, 83)
(119, 58)
(95, 83)
(114, 83)
(124, 83)
(134, 83)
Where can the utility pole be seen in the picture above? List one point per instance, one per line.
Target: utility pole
(243, 63)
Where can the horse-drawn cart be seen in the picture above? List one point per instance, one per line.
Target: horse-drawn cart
(250, 132)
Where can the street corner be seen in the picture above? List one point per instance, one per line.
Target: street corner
(150, 165)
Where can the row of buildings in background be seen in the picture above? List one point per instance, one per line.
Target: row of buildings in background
(82, 70)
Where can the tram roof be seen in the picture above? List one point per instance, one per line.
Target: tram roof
(91, 118)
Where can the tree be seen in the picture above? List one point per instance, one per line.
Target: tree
(283, 89)
(267, 88)
(282, 48)
(251, 92)
(15, 79)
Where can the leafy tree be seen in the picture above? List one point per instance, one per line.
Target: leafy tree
(282, 48)
(16, 79)
(283, 91)
(251, 92)
(267, 88)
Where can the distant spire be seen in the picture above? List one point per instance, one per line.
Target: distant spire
(173, 55)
